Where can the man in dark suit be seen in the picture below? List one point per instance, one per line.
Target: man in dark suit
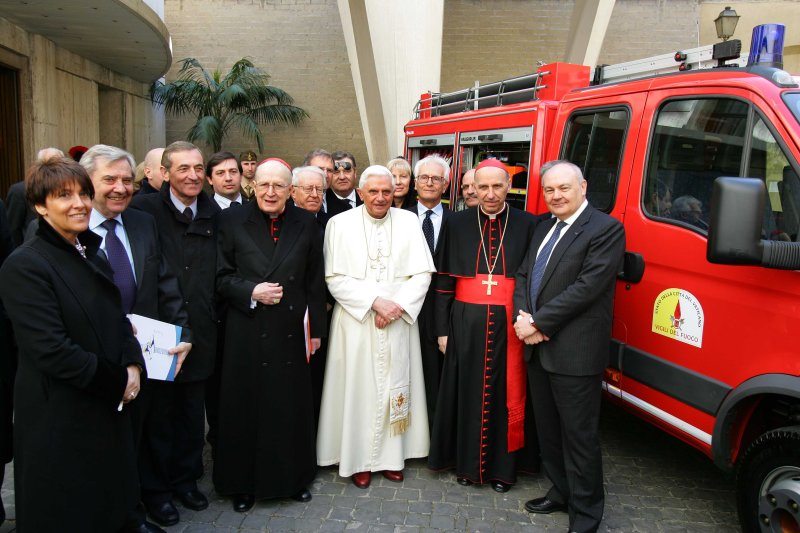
(564, 293)
(270, 273)
(308, 190)
(153, 179)
(432, 179)
(147, 285)
(186, 222)
(342, 193)
(224, 174)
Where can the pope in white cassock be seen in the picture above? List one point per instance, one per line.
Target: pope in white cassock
(378, 268)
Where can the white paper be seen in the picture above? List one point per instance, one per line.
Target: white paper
(156, 339)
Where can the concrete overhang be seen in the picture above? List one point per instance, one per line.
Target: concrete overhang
(125, 36)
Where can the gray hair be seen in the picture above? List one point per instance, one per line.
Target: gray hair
(316, 152)
(375, 170)
(550, 164)
(104, 151)
(46, 154)
(308, 170)
(437, 159)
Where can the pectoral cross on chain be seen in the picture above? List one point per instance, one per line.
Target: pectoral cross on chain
(489, 283)
(377, 264)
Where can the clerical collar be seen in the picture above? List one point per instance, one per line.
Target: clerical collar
(377, 220)
(495, 215)
(280, 215)
(180, 206)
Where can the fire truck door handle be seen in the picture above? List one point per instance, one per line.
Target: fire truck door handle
(632, 268)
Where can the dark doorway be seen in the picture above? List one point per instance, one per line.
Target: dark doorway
(11, 167)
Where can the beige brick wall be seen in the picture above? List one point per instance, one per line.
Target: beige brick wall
(299, 43)
(489, 41)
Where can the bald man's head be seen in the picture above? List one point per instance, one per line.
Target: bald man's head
(152, 168)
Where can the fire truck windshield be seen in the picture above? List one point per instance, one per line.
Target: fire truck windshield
(793, 102)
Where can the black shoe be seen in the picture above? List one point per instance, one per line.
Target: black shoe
(165, 513)
(194, 500)
(499, 486)
(544, 505)
(146, 527)
(243, 502)
(464, 482)
(302, 496)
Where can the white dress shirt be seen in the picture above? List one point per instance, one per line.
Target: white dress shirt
(224, 202)
(180, 206)
(570, 221)
(436, 219)
(350, 197)
(95, 221)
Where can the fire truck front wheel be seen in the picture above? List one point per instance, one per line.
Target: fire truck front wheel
(768, 482)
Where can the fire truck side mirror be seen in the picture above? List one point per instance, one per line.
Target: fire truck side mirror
(734, 234)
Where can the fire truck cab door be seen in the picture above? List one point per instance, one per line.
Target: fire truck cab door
(681, 329)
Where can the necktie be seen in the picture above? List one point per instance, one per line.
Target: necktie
(188, 213)
(121, 265)
(541, 263)
(235, 202)
(427, 229)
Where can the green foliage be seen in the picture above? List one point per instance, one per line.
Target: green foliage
(241, 99)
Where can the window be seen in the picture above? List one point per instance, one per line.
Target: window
(694, 142)
(793, 101)
(594, 142)
(768, 162)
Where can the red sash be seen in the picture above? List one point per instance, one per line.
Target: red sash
(473, 291)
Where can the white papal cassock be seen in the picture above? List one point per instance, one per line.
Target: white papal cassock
(369, 368)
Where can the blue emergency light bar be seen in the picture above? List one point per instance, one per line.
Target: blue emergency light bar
(766, 48)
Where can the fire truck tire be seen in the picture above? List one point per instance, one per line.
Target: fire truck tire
(768, 482)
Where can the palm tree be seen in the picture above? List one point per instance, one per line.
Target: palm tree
(242, 98)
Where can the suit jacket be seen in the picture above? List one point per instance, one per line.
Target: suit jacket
(576, 296)
(158, 294)
(190, 250)
(427, 317)
(335, 205)
(19, 213)
(146, 188)
(74, 345)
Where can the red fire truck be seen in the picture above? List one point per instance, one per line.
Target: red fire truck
(701, 165)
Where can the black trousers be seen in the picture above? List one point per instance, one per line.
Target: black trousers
(171, 446)
(432, 361)
(567, 411)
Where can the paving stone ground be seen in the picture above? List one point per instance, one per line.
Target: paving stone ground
(653, 482)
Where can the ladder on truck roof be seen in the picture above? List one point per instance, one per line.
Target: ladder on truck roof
(527, 88)
(508, 91)
(702, 57)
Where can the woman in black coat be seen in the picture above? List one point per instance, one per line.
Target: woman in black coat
(75, 468)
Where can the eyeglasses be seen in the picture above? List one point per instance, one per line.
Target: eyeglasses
(431, 179)
(277, 187)
(343, 165)
(310, 189)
